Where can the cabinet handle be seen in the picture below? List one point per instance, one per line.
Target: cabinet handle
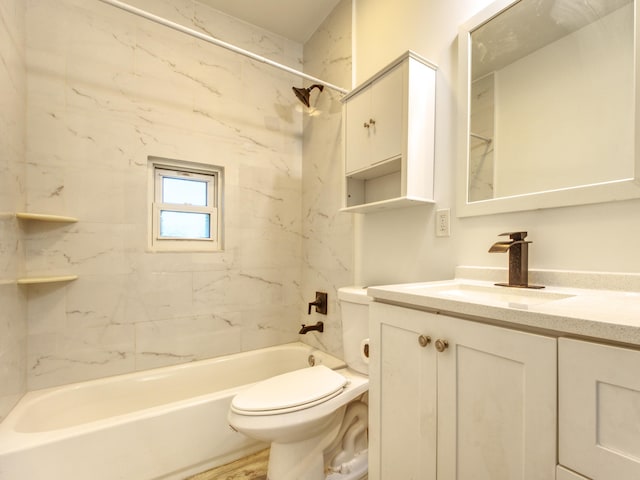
(441, 345)
(424, 340)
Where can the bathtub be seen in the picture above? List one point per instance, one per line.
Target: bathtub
(166, 423)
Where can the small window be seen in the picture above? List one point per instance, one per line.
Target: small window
(185, 208)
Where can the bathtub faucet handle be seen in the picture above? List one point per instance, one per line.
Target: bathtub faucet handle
(320, 303)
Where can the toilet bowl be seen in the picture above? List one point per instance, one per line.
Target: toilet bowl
(314, 418)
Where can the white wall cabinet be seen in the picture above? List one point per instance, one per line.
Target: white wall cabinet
(599, 410)
(374, 122)
(389, 126)
(483, 408)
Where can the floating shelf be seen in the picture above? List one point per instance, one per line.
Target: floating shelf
(41, 217)
(399, 202)
(52, 279)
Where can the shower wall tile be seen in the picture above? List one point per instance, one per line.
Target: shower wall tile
(106, 90)
(71, 355)
(328, 234)
(165, 342)
(13, 299)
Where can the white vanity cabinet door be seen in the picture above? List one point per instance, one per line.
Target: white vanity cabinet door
(564, 474)
(496, 403)
(599, 410)
(374, 122)
(482, 409)
(402, 399)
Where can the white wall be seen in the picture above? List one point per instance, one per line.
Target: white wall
(105, 91)
(13, 315)
(401, 246)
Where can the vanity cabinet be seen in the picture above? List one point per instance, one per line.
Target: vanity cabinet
(565, 474)
(389, 126)
(457, 399)
(599, 410)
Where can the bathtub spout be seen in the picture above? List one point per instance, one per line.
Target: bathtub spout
(308, 328)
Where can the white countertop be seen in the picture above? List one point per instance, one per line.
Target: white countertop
(611, 315)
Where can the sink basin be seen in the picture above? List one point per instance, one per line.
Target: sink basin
(488, 294)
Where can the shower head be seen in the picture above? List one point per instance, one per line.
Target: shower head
(303, 93)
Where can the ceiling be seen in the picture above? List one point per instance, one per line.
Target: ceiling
(293, 19)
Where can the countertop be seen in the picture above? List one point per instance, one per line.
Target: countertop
(606, 313)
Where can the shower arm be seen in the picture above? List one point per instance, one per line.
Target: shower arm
(207, 38)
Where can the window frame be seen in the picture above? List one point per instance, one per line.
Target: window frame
(162, 168)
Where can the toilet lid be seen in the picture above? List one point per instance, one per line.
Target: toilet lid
(289, 392)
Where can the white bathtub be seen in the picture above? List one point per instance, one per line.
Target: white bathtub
(167, 423)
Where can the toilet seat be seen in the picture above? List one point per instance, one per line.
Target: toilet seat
(289, 392)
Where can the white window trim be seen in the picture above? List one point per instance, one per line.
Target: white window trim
(159, 168)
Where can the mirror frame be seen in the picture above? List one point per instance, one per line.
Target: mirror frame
(616, 190)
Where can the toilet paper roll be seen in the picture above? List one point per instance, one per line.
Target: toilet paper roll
(364, 350)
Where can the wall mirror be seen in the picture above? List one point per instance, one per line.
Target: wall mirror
(548, 105)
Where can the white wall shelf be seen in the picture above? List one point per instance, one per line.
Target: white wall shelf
(51, 279)
(397, 202)
(41, 217)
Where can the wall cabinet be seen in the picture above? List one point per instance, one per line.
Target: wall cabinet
(374, 122)
(599, 410)
(456, 399)
(389, 124)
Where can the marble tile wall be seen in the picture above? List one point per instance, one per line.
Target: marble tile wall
(105, 91)
(328, 252)
(13, 327)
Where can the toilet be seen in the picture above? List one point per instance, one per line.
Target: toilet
(314, 418)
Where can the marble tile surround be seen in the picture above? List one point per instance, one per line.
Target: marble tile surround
(328, 247)
(13, 300)
(106, 90)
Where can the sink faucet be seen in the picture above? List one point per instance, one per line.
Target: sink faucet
(518, 249)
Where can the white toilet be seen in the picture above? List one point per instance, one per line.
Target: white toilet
(313, 417)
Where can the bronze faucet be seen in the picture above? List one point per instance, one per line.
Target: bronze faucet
(320, 303)
(518, 250)
(319, 327)
(321, 307)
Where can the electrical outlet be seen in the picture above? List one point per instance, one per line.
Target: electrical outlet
(443, 228)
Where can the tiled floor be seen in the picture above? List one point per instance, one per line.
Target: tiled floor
(253, 467)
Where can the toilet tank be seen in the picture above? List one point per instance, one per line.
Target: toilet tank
(354, 305)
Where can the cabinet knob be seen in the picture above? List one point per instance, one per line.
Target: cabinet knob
(424, 340)
(372, 121)
(441, 345)
(366, 125)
